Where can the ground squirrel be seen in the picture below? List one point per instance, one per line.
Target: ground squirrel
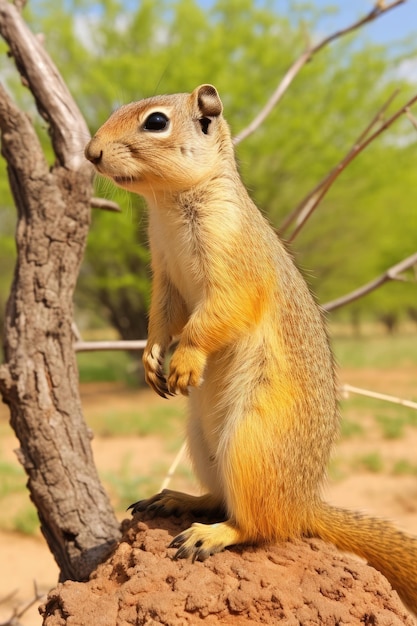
(252, 351)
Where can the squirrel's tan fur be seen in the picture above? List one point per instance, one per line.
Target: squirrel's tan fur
(252, 349)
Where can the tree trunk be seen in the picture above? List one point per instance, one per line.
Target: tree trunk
(39, 379)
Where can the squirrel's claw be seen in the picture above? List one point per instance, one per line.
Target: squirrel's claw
(199, 542)
(159, 385)
(162, 504)
(153, 362)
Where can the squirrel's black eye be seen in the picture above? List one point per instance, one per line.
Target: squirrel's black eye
(156, 122)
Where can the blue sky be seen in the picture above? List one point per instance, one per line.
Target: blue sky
(395, 24)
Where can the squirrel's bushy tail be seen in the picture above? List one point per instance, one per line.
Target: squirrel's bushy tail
(392, 552)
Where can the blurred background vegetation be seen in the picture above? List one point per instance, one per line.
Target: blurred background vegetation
(114, 51)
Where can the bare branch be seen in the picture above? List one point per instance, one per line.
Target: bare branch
(106, 205)
(8, 597)
(20, 4)
(96, 346)
(312, 202)
(76, 331)
(17, 613)
(292, 72)
(346, 389)
(306, 204)
(393, 273)
(411, 117)
(173, 467)
(378, 117)
(51, 94)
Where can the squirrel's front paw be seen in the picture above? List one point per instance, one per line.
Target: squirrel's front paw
(153, 363)
(186, 370)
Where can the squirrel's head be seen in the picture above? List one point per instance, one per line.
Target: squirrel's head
(164, 143)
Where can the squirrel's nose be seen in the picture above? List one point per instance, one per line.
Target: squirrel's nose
(93, 152)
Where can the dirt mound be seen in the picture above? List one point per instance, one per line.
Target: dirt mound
(295, 583)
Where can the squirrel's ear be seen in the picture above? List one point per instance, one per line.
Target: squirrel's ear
(208, 101)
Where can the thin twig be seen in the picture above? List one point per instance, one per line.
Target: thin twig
(378, 117)
(392, 273)
(174, 466)
(20, 4)
(76, 332)
(346, 389)
(308, 201)
(17, 613)
(8, 597)
(95, 346)
(292, 72)
(335, 173)
(411, 117)
(106, 205)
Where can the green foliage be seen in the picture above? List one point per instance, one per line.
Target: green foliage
(376, 350)
(12, 479)
(126, 486)
(114, 278)
(350, 428)
(411, 417)
(391, 427)
(12, 491)
(372, 462)
(112, 366)
(153, 421)
(404, 467)
(394, 422)
(26, 521)
(128, 51)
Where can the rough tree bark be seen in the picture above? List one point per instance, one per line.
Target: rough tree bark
(39, 379)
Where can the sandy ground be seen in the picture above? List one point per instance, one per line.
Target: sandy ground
(26, 561)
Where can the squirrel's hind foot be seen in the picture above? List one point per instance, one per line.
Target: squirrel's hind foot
(202, 540)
